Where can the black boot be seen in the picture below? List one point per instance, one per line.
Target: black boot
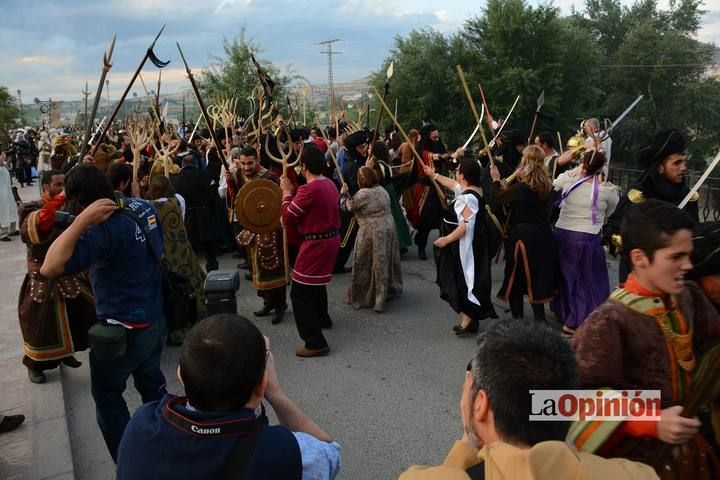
(421, 253)
(71, 362)
(265, 311)
(279, 315)
(36, 376)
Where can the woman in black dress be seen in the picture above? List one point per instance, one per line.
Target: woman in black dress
(461, 252)
(531, 260)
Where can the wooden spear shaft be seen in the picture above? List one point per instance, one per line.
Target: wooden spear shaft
(417, 156)
(332, 154)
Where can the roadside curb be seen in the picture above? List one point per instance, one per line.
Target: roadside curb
(52, 453)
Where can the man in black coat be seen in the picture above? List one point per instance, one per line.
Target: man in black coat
(195, 186)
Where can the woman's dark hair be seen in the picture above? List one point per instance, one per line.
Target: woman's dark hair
(160, 187)
(381, 152)
(593, 161)
(313, 159)
(85, 184)
(471, 170)
(222, 360)
(650, 225)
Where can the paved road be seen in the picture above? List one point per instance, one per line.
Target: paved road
(389, 391)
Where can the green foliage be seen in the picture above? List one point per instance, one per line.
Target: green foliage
(591, 63)
(9, 112)
(235, 74)
(424, 83)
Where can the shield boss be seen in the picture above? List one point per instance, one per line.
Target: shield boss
(257, 206)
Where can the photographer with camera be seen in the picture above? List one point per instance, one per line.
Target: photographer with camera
(219, 430)
(55, 314)
(119, 240)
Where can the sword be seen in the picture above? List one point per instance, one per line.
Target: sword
(621, 117)
(106, 68)
(492, 142)
(92, 139)
(614, 124)
(699, 183)
(478, 119)
(195, 129)
(472, 135)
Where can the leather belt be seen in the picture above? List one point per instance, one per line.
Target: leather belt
(321, 236)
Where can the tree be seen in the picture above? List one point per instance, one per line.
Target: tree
(235, 75)
(425, 85)
(516, 49)
(9, 112)
(652, 52)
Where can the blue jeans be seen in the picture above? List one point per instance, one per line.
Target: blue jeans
(108, 380)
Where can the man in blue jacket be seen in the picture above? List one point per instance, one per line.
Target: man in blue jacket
(122, 250)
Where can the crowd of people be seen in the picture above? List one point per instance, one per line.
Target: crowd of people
(109, 228)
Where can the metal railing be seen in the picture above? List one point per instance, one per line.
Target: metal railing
(708, 203)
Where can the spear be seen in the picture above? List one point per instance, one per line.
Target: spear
(290, 110)
(183, 114)
(540, 103)
(388, 74)
(203, 109)
(149, 54)
(105, 69)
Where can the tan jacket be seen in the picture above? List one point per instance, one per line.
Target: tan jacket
(546, 460)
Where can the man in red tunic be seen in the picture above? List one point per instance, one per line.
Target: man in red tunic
(313, 211)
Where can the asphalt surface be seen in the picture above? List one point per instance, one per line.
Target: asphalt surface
(389, 391)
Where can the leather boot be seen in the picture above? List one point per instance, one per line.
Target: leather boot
(36, 376)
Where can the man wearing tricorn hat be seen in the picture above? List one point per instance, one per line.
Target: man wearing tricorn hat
(664, 161)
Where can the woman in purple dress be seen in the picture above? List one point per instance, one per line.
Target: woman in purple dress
(586, 202)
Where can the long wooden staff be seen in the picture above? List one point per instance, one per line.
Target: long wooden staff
(388, 74)
(203, 110)
(88, 124)
(478, 120)
(441, 194)
(149, 54)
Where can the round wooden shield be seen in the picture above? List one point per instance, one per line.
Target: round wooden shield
(258, 205)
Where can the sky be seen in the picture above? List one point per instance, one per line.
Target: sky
(50, 48)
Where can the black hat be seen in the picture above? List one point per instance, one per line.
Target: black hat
(356, 139)
(659, 148)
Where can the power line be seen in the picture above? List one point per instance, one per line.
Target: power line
(331, 86)
(669, 65)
